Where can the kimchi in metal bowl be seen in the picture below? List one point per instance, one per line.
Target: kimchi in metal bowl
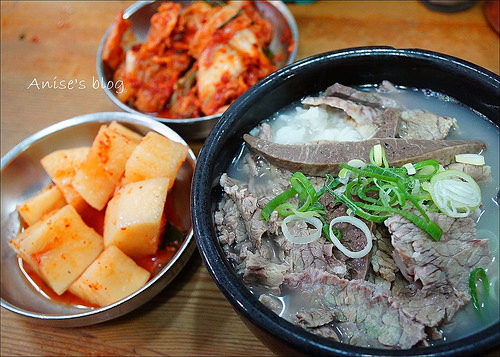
(23, 176)
(473, 86)
(280, 48)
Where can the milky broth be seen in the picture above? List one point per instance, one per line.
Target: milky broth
(471, 126)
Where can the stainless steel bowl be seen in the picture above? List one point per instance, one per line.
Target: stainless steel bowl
(198, 128)
(22, 177)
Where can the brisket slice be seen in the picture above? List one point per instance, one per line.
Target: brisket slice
(422, 124)
(478, 173)
(230, 228)
(371, 98)
(262, 272)
(389, 125)
(319, 322)
(362, 312)
(365, 119)
(382, 263)
(365, 113)
(441, 266)
(430, 308)
(247, 207)
(318, 254)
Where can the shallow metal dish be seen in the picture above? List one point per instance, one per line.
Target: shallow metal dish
(198, 128)
(22, 176)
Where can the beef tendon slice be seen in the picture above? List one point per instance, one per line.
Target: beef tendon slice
(319, 158)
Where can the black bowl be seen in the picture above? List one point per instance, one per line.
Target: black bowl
(466, 82)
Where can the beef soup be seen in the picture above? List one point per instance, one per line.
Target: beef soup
(389, 274)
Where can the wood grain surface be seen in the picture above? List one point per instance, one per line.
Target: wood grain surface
(58, 40)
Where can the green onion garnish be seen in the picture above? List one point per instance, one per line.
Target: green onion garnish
(474, 275)
(373, 191)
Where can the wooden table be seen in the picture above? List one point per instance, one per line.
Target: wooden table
(59, 40)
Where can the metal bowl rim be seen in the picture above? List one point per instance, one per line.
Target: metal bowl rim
(279, 5)
(187, 246)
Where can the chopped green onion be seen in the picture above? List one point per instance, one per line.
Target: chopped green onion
(455, 193)
(356, 163)
(276, 201)
(471, 159)
(377, 156)
(395, 193)
(344, 173)
(353, 206)
(474, 275)
(410, 169)
(304, 188)
(373, 191)
(428, 226)
(374, 171)
(426, 169)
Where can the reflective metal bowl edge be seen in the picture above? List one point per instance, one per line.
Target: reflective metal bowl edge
(22, 176)
(198, 128)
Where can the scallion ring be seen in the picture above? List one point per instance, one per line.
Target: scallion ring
(455, 193)
(359, 224)
(315, 221)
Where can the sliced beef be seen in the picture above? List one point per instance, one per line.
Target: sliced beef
(438, 266)
(430, 308)
(325, 331)
(317, 159)
(478, 173)
(318, 254)
(382, 263)
(314, 317)
(365, 119)
(422, 124)
(230, 228)
(247, 208)
(352, 238)
(265, 131)
(262, 272)
(319, 322)
(371, 98)
(362, 312)
(365, 114)
(389, 125)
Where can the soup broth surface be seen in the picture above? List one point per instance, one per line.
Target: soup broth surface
(294, 124)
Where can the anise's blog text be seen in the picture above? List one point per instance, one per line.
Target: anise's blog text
(72, 84)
